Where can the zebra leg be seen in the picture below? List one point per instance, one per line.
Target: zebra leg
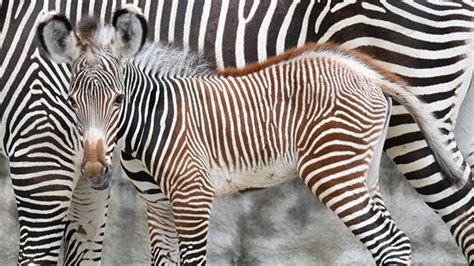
(352, 203)
(191, 204)
(163, 236)
(43, 190)
(406, 146)
(464, 131)
(86, 224)
(342, 188)
(49, 213)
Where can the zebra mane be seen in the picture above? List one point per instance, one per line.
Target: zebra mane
(164, 60)
(87, 29)
(93, 35)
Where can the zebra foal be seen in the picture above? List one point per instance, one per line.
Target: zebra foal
(188, 134)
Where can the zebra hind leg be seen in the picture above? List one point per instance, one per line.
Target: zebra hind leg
(342, 188)
(374, 192)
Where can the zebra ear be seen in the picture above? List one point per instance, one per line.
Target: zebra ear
(130, 28)
(57, 38)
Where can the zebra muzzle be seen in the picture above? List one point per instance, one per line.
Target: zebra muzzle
(94, 166)
(97, 174)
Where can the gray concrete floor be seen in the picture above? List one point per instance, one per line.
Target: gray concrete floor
(284, 225)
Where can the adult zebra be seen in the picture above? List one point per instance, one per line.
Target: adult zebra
(416, 40)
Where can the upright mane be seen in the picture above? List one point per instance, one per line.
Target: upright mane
(92, 37)
(166, 60)
(87, 30)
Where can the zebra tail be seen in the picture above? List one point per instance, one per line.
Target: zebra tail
(431, 129)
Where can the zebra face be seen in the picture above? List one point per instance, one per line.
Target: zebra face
(97, 84)
(96, 95)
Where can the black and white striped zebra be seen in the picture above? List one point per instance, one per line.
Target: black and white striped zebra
(416, 40)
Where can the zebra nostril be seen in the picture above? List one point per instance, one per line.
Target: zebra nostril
(105, 170)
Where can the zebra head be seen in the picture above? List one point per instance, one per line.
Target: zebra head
(97, 83)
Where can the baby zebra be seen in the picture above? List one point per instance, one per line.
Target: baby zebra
(187, 133)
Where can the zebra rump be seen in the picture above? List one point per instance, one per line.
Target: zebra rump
(391, 85)
(430, 127)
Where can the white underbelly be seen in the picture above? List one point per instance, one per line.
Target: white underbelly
(229, 181)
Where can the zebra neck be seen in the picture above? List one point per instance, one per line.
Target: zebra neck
(164, 60)
(147, 114)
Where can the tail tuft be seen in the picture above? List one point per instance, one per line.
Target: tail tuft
(431, 128)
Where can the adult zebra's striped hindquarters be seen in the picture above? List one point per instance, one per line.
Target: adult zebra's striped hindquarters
(319, 114)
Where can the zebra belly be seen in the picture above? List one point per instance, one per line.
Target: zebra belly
(228, 181)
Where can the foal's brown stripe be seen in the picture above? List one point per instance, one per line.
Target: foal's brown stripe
(359, 219)
(341, 191)
(331, 183)
(350, 199)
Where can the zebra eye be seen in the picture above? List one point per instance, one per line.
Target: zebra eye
(118, 99)
(72, 102)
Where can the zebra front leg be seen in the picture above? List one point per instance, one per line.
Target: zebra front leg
(161, 227)
(86, 224)
(191, 199)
